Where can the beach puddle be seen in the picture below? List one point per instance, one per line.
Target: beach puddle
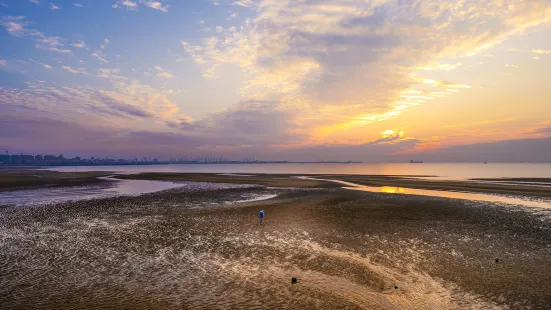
(113, 188)
(532, 202)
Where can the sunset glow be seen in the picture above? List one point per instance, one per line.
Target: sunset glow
(369, 80)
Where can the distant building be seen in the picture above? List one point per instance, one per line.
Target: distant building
(5, 159)
(27, 159)
(38, 157)
(16, 159)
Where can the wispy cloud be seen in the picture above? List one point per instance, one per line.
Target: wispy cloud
(156, 5)
(3, 63)
(79, 44)
(542, 52)
(78, 5)
(118, 105)
(444, 83)
(105, 43)
(52, 48)
(54, 7)
(81, 71)
(40, 63)
(244, 3)
(52, 44)
(37, 2)
(439, 66)
(133, 5)
(163, 74)
(17, 26)
(99, 55)
(113, 74)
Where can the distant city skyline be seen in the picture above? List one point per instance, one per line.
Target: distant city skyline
(371, 81)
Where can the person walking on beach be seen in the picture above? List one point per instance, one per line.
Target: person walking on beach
(261, 216)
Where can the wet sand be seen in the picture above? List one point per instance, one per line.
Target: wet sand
(348, 250)
(14, 179)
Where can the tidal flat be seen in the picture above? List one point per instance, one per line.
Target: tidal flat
(203, 248)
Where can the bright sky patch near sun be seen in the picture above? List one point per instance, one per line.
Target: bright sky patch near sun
(371, 80)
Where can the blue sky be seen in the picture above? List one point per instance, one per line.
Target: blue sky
(369, 80)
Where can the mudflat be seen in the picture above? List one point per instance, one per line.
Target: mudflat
(347, 249)
(291, 180)
(14, 179)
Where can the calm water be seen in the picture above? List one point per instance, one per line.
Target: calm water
(449, 171)
(115, 188)
(532, 202)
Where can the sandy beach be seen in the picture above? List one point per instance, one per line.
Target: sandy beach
(200, 249)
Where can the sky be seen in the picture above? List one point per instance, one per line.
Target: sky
(366, 80)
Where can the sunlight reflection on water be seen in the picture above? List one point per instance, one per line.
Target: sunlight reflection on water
(524, 201)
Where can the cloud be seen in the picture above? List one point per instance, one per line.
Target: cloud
(357, 56)
(54, 7)
(110, 74)
(244, 3)
(390, 135)
(544, 130)
(444, 84)
(117, 105)
(17, 26)
(540, 130)
(305, 66)
(99, 55)
(79, 44)
(163, 74)
(40, 63)
(517, 150)
(51, 44)
(75, 70)
(78, 5)
(133, 5)
(37, 2)
(156, 5)
(439, 66)
(3, 63)
(542, 52)
(105, 43)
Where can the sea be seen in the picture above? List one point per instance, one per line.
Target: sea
(446, 171)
